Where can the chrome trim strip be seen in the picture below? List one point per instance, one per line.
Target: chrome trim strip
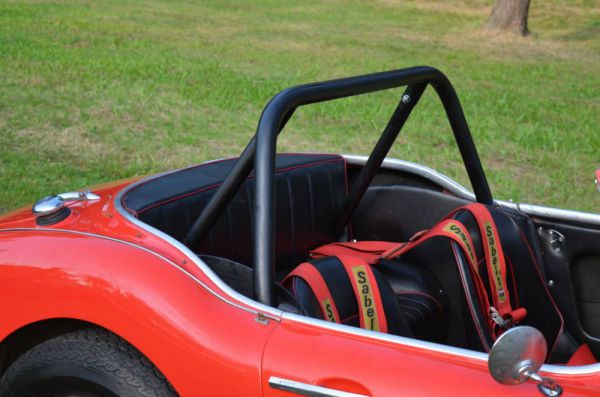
(170, 262)
(462, 192)
(203, 267)
(559, 214)
(305, 389)
(431, 346)
(402, 340)
(426, 172)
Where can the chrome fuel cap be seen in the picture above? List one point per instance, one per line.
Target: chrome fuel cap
(48, 205)
(50, 210)
(53, 209)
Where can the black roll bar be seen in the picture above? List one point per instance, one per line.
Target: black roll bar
(407, 103)
(283, 105)
(223, 196)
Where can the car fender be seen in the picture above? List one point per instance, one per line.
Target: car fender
(198, 339)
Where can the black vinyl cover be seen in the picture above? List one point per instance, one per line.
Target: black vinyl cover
(310, 190)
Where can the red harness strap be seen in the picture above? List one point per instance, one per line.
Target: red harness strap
(368, 297)
(307, 272)
(502, 312)
(370, 251)
(374, 251)
(366, 290)
(455, 231)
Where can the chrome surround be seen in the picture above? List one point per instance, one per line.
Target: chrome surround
(305, 389)
(170, 262)
(401, 340)
(84, 195)
(400, 165)
(260, 308)
(462, 192)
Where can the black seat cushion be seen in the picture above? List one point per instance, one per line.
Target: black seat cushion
(422, 301)
(241, 278)
(310, 189)
(338, 282)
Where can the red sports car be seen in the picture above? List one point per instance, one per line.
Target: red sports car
(301, 274)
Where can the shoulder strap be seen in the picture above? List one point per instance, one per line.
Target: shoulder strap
(502, 312)
(368, 296)
(309, 273)
(364, 284)
(370, 251)
(457, 232)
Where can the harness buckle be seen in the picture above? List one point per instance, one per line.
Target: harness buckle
(497, 318)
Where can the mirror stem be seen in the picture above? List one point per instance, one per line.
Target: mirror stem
(547, 386)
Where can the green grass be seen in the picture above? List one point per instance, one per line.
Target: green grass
(93, 91)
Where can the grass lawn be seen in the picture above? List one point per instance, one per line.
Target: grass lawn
(92, 91)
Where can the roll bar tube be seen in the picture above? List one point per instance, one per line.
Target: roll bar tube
(282, 106)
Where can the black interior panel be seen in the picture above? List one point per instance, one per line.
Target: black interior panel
(586, 279)
(310, 189)
(395, 213)
(573, 266)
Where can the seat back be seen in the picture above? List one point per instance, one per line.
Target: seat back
(309, 189)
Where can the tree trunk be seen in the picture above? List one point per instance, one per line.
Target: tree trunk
(510, 15)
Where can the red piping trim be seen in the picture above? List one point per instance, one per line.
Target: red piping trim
(349, 318)
(509, 265)
(539, 273)
(437, 303)
(210, 187)
(465, 289)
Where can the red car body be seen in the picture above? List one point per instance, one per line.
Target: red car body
(99, 267)
(102, 266)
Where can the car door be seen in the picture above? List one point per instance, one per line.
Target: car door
(315, 358)
(570, 245)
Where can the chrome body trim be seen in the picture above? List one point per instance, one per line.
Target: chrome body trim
(431, 346)
(559, 214)
(84, 195)
(170, 262)
(413, 168)
(401, 340)
(400, 165)
(203, 267)
(462, 192)
(305, 389)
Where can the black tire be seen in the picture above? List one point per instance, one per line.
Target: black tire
(85, 363)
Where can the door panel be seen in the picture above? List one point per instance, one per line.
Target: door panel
(571, 256)
(366, 366)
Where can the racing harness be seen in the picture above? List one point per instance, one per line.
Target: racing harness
(496, 304)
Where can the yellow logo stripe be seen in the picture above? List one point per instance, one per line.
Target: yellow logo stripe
(328, 310)
(365, 292)
(456, 229)
(491, 239)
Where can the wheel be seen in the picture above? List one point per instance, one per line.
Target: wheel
(84, 363)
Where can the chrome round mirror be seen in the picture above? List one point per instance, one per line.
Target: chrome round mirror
(516, 354)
